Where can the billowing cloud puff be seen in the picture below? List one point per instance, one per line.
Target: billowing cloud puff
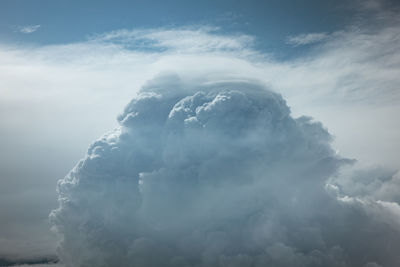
(217, 174)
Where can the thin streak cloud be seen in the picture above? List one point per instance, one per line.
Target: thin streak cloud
(306, 39)
(183, 40)
(29, 28)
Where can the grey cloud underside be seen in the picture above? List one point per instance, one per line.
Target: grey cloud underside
(216, 175)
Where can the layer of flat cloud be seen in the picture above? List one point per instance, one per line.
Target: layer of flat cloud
(42, 265)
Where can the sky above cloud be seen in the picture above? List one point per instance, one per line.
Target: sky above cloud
(65, 82)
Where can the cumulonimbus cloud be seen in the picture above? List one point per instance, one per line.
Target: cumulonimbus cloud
(349, 81)
(216, 174)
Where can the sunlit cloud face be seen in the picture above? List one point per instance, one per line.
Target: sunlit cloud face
(68, 95)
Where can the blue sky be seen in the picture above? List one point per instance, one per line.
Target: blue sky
(67, 69)
(271, 21)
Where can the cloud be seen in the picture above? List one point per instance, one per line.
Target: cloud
(29, 28)
(349, 82)
(217, 174)
(38, 262)
(193, 175)
(306, 39)
(184, 40)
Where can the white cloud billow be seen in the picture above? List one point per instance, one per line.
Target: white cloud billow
(214, 174)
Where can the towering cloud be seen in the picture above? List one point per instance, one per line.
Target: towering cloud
(219, 174)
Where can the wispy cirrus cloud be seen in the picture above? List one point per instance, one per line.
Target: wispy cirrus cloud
(29, 28)
(306, 38)
(182, 39)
